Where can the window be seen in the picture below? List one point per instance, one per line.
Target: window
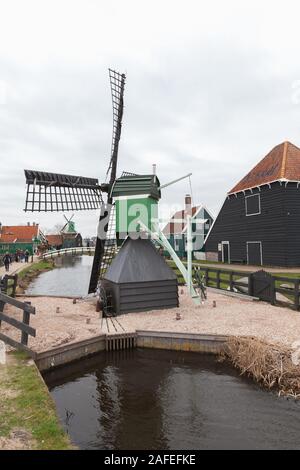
(177, 242)
(252, 204)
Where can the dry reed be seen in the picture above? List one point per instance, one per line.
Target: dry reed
(269, 364)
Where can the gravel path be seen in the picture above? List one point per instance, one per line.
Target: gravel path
(231, 316)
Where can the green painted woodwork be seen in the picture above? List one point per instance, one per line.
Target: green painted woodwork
(13, 247)
(130, 211)
(137, 184)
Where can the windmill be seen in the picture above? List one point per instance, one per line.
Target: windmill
(130, 212)
(50, 192)
(69, 223)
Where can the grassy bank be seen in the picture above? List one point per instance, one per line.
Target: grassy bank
(270, 365)
(28, 416)
(30, 272)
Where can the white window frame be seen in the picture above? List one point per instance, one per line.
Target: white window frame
(225, 243)
(261, 253)
(177, 242)
(259, 205)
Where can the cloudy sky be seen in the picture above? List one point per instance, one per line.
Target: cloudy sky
(211, 88)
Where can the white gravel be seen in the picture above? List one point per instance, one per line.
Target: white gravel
(231, 316)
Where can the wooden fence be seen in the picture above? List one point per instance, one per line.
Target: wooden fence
(259, 284)
(23, 325)
(8, 284)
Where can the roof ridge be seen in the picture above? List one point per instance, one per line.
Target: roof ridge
(283, 161)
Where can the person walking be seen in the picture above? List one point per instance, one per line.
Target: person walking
(6, 261)
(26, 254)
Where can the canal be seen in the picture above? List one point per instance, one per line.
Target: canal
(151, 399)
(70, 278)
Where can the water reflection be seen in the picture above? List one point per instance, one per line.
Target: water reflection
(147, 399)
(70, 278)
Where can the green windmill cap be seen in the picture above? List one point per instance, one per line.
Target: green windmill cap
(137, 184)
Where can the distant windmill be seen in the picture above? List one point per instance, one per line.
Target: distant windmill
(69, 223)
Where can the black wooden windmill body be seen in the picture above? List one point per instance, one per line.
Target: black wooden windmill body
(53, 192)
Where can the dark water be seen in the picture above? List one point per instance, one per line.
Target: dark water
(71, 278)
(150, 399)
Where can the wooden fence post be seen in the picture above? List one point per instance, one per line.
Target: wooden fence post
(26, 320)
(231, 281)
(273, 291)
(250, 284)
(296, 294)
(218, 279)
(15, 285)
(206, 277)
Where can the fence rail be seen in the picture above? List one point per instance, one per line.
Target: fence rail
(259, 284)
(23, 325)
(7, 287)
(75, 251)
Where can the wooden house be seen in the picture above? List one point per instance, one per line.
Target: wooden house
(15, 238)
(259, 222)
(176, 231)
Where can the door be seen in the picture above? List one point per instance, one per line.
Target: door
(254, 253)
(225, 252)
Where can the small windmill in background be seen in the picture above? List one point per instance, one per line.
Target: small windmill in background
(69, 225)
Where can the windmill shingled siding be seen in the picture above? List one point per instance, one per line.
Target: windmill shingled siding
(277, 226)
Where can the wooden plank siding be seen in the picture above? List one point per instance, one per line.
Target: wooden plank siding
(277, 226)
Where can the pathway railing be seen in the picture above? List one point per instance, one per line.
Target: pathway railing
(258, 284)
(23, 325)
(84, 250)
(8, 284)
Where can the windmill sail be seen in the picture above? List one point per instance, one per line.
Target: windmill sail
(54, 192)
(117, 84)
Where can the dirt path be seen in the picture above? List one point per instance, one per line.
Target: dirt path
(58, 321)
(14, 268)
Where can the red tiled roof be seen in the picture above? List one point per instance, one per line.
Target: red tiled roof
(6, 238)
(54, 240)
(177, 227)
(20, 233)
(282, 163)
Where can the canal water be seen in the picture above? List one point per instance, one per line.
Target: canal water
(150, 399)
(70, 278)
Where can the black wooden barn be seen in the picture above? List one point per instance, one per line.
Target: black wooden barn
(139, 279)
(259, 222)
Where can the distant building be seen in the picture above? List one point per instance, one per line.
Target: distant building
(176, 231)
(258, 223)
(55, 241)
(20, 237)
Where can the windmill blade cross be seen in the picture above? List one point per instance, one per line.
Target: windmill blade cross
(117, 84)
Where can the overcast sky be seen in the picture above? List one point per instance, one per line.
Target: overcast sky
(211, 87)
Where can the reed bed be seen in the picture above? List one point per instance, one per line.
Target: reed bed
(268, 364)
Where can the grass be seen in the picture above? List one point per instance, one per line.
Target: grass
(35, 268)
(28, 406)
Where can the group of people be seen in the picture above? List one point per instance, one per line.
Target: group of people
(22, 256)
(19, 256)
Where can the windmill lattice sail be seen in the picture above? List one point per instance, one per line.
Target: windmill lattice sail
(117, 84)
(53, 192)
